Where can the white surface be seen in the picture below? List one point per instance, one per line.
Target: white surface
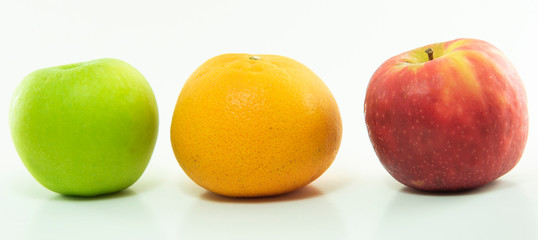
(342, 41)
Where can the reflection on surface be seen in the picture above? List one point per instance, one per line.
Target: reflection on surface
(310, 217)
(499, 210)
(115, 216)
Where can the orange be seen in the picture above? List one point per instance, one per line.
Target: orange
(249, 126)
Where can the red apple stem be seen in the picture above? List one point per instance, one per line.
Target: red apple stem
(429, 51)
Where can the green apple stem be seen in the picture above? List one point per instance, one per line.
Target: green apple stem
(429, 51)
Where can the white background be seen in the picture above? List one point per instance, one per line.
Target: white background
(342, 41)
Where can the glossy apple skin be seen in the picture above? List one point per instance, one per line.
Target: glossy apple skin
(454, 123)
(85, 129)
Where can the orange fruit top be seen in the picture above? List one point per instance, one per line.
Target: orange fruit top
(247, 126)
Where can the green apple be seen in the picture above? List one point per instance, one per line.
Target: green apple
(85, 129)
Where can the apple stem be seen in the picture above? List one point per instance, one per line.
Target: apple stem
(429, 51)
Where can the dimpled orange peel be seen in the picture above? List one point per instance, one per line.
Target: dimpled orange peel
(255, 125)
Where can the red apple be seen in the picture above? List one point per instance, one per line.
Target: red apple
(448, 116)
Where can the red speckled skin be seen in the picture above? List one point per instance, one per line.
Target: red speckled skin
(453, 123)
